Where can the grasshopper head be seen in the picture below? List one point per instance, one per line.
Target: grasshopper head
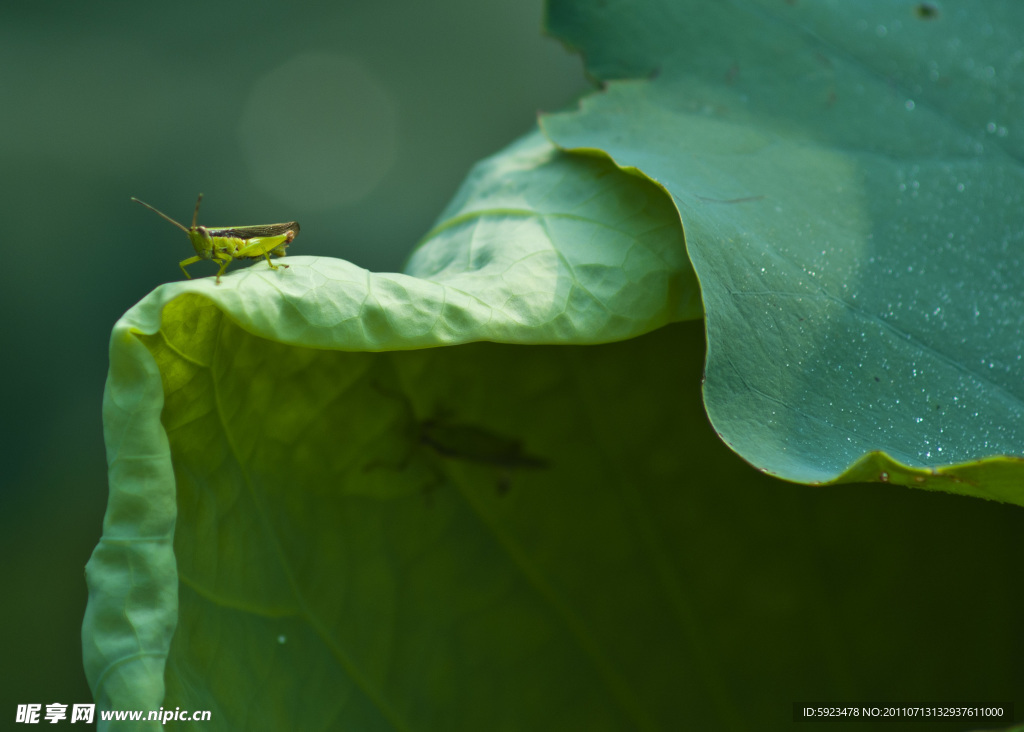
(200, 237)
(202, 242)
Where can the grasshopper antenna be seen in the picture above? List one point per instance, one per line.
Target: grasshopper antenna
(196, 212)
(161, 214)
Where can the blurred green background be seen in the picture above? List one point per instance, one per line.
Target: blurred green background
(359, 120)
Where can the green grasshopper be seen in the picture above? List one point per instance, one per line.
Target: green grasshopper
(227, 243)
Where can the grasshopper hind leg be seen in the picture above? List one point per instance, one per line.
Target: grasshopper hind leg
(280, 254)
(279, 251)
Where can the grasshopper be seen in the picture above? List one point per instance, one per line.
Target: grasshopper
(227, 243)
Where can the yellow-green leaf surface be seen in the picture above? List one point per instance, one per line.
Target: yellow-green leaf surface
(276, 368)
(849, 179)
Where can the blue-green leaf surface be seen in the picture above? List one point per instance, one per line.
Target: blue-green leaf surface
(849, 180)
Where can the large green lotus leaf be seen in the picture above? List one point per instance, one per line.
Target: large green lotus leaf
(849, 179)
(539, 247)
(330, 510)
